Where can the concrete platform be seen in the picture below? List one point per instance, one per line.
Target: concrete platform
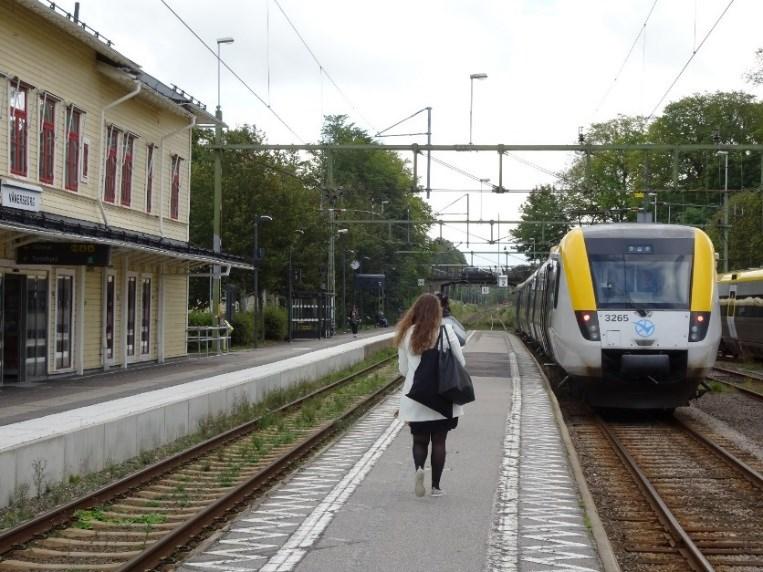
(88, 438)
(511, 503)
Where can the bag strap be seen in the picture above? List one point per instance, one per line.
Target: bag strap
(441, 339)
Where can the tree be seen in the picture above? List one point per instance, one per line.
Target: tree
(755, 77)
(746, 230)
(601, 185)
(544, 223)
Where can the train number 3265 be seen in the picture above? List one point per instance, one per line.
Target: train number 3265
(615, 317)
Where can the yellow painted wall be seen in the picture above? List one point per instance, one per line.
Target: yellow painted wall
(93, 317)
(175, 314)
(50, 60)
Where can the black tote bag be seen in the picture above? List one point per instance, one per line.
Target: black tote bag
(425, 387)
(454, 382)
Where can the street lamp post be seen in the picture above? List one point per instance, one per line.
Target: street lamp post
(256, 259)
(289, 300)
(344, 286)
(654, 202)
(725, 212)
(218, 196)
(472, 77)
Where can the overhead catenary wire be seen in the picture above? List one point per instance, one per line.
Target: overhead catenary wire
(226, 66)
(322, 68)
(691, 57)
(627, 57)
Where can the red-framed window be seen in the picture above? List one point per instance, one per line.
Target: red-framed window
(19, 115)
(150, 152)
(112, 150)
(47, 138)
(128, 144)
(73, 138)
(175, 194)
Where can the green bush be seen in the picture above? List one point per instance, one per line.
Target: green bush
(199, 318)
(276, 323)
(243, 328)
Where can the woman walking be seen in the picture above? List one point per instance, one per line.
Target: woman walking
(417, 332)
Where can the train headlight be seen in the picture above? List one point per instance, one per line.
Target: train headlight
(698, 324)
(588, 322)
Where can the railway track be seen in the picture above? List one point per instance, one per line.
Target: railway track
(142, 521)
(746, 381)
(673, 499)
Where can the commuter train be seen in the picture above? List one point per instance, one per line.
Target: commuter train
(741, 301)
(630, 312)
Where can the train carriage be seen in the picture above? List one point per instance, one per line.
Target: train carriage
(629, 311)
(741, 302)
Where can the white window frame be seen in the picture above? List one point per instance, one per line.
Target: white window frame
(114, 349)
(83, 177)
(117, 167)
(30, 173)
(150, 278)
(151, 153)
(42, 96)
(126, 322)
(73, 334)
(68, 114)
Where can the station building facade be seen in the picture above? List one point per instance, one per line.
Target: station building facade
(95, 164)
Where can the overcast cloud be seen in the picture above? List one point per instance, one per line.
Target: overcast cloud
(549, 63)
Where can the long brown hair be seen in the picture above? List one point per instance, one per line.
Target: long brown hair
(426, 315)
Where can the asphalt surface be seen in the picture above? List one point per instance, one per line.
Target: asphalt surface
(386, 528)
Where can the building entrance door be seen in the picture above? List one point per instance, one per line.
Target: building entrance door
(23, 340)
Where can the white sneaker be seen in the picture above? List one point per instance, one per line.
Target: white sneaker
(419, 482)
(437, 492)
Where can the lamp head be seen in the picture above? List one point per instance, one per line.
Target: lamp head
(342, 231)
(300, 232)
(265, 218)
(478, 76)
(226, 40)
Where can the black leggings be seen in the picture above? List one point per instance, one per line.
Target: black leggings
(420, 450)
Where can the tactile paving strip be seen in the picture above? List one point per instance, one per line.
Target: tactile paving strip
(552, 531)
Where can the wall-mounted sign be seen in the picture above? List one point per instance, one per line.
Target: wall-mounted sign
(64, 254)
(20, 195)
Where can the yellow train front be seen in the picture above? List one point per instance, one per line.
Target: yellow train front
(628, 311)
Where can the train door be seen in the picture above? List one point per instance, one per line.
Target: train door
(731, 311)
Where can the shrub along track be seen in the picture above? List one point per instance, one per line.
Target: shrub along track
(138, 523)
(671, 499)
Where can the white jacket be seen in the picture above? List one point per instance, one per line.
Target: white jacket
(411, 410)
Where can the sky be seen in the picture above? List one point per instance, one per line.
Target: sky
(551, 67)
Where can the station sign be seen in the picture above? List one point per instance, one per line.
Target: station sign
(503, 281)
(420, 281)
(64, 254)
(486, 289)
(20, 196)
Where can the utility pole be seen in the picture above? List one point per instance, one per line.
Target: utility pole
(725, 212)
(429, 151)
(331, 286)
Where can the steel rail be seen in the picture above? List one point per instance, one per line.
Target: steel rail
(751, 474)
(26, 532)
(163, 549)
(741, 388)
(685, 544)
(740, 372)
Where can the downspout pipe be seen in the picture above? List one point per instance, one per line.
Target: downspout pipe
(162, 186)
(101, 189)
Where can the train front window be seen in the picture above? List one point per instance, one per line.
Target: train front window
(660, 282)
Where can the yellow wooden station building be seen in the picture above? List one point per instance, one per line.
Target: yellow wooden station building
(95, 165)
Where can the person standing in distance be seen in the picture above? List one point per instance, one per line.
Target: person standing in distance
(416, 332)
(354, 321)
(448, 318)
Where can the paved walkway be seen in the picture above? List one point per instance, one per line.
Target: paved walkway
(20, 402)
(353, 507)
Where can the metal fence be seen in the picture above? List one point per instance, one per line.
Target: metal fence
(209, 339)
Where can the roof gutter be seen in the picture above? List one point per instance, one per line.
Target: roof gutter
(162, 178)
(100, 190)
